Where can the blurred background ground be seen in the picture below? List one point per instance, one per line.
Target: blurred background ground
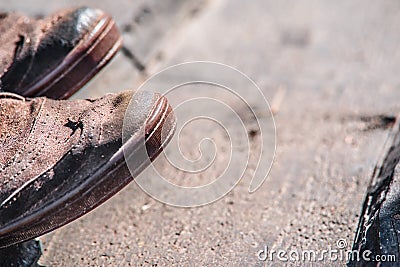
(334, 63)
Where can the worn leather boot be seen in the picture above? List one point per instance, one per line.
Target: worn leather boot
(57, 55)
(62, 158)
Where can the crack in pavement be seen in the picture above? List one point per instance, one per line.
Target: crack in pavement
(133, 59)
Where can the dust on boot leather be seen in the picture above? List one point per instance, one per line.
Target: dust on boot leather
(60, 159)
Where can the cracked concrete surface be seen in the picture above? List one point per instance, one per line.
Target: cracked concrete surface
(338, 63)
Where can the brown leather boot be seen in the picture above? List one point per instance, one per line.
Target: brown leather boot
(61, 159)
(55, 56)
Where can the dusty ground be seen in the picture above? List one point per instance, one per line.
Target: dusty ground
(336, 63)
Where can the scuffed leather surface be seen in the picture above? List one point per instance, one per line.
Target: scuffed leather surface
(40, 133)
(30, 48)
